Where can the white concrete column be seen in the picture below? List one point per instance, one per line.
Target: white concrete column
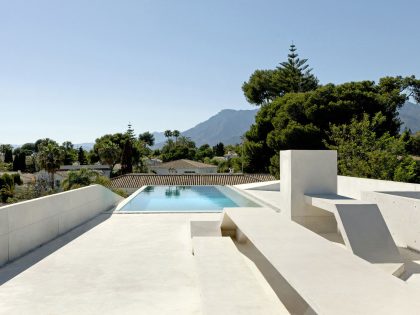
(308, 172)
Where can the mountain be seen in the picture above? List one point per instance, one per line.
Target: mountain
(159, 137)
(227, 126)
(410, 116)
(86, 146)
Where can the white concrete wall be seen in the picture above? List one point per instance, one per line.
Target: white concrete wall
(400, 207)
(29, 224)
(308, 172)
(353, 186)
(401, 214)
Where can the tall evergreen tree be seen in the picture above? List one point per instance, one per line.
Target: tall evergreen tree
(294, 75)
(219, 149)
(19, 162)
(8, 156)
(127, 158)
(130, 133)
(81, 156)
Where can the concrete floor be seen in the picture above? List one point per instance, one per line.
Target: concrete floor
(114, 264)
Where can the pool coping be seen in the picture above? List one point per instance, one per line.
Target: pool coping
(117, 210)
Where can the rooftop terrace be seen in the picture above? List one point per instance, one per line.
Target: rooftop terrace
(322, 244)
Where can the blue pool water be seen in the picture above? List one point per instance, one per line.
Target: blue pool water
(186, 199)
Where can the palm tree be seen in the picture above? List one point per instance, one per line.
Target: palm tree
(49, 158)
(77, 179)
(176, 134)
(168, 133)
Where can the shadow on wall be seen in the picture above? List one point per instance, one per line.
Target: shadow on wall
(19, 265)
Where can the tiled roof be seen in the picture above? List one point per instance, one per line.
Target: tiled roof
(139, 180)
(184, 164)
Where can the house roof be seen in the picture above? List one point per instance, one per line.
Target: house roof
(177, 164)
(139, 180)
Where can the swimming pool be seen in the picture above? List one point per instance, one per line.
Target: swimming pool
(185, 199)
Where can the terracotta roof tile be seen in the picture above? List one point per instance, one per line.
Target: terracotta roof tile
(184, 164)
(139, 180)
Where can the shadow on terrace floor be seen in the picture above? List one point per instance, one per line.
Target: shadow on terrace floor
(12, 269)
(411, 261)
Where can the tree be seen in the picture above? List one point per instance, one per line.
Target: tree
(7, 186)
(130, 132)
(364, 153)
(294, 75)
(19, 162)
(147, 138)
(8, 156)
(219, 149)
(109, 153)
(81, 156)
(185, 149)
(205, 151)
(303, 120)
(80, 178)
(68, 153)
(28, 148)
(291, 76)
(176, 134)
(49, 156)
(168, 133)
(127, 158)
(43, 142)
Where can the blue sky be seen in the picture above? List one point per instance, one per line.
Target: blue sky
(75, 70)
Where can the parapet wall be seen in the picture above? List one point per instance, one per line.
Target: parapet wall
(29, 224)
(354, 186)
(398, 202)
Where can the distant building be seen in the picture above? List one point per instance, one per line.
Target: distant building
(152, 162)
(183, 167)
(230, 155)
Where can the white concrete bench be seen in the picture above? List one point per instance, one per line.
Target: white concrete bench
(363, 229)
(330, 279)
(227, 284)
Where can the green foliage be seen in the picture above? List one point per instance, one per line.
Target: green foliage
(109, 153)
(364, 153)
(205, 151)
(219, 149)
(291, 76)
(80, 178)
(81, 156)
(147, 138)
(44, 142)
(127, 158)
(7, 186)
(7, 151)
(130, 133)
(168, 133)
(303, 120)
(68, 153)
(19, 162)
(49, 158)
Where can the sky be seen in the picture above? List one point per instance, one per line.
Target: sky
(76, 70)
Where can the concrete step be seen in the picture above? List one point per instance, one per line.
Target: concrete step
(227, 283)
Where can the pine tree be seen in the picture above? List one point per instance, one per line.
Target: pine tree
(294, 75)
(127, 158)
(130, 133)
